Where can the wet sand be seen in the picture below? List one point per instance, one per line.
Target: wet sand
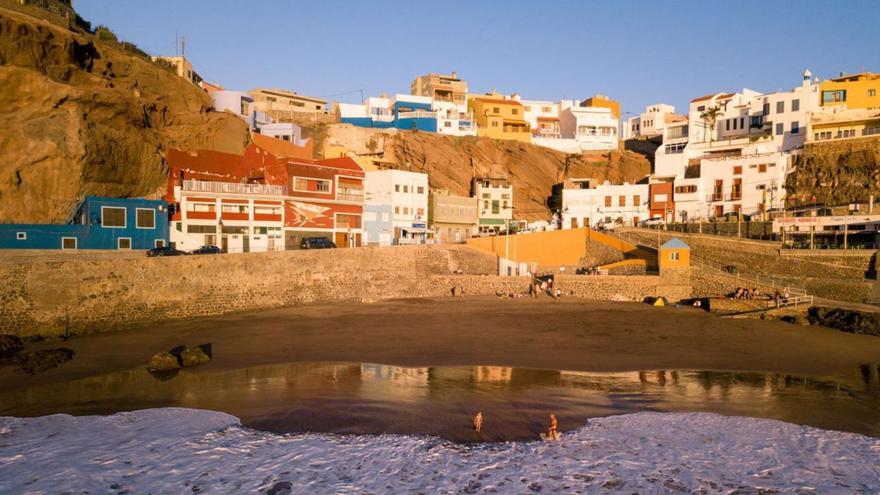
(569, 334)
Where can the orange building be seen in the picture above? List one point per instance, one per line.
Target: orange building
(603, 101)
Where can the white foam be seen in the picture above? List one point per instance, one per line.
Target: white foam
(176, 450)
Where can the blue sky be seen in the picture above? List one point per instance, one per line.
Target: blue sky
(636, 52)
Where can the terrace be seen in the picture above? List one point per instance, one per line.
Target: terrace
(234, 188)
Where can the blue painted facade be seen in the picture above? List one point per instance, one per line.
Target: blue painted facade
(427, 124)
(378, 228)
(87, 227)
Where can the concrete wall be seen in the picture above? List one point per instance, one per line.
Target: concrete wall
(85, 296)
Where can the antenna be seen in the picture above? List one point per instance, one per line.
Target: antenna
(183, 46)
(176, 44)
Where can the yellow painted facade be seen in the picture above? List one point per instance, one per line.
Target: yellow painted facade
(498, 118)
(855, 91)
(855, 127)
(602, 101)
(674, 258)
(551, 248)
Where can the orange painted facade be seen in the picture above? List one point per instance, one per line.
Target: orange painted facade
(552, 248)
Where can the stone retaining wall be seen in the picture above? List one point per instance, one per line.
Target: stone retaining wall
(77, 296)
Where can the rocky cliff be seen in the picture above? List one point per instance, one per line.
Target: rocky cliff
(451, 162)
(837, 172)
(82, 115)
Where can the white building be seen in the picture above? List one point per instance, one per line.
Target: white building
(543, 118)
(735, 150)
(285, 131)
(407, 195)
(494, 203)
(652, 121)
(233, 216)
(593, 128)
(606, 204)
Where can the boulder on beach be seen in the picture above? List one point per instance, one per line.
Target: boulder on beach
(9, 345)
(163, 361)
(36, 362)
(193, 356)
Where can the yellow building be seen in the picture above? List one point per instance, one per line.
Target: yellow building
(499, 118)
(844, 124)
(855, 91)
(674, 254)
(602, 101)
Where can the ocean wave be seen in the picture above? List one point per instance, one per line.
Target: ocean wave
(174, 450)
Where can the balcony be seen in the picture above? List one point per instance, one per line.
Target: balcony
(233, 188)
(717, 196)
(417, 114)
(350, 196)
(736, 195)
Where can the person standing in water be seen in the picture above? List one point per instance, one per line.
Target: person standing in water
(553, 432)
(478, 422)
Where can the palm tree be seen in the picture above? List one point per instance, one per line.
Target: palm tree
(710, 117)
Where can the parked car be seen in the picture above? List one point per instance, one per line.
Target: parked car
(164, 251)
(317, 243)
(652, 222)
(206, 250)
(732, 216)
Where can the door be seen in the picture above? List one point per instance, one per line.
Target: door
(245, 243)
(719, 210)
(210, 240)
(574, 222)
(341, 240)
(224, 244)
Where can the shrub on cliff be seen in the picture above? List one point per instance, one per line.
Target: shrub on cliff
(845, 320)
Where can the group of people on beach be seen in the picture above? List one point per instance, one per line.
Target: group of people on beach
(552, 430)
(752, 294)
(537, 286)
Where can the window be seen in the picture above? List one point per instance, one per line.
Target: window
(514, 111)
(607, 201)
(123, 243)
(686, 189)
(234, 209)
(546, 109)
(201, 229)
(112, 216)
(68, 243)
(396, 210)
(528, 108)
(496, 208)
(303, 184)
(795, 105)
(780, 107)
(701, 108)
(762, 168)
(780, 129)
(396, 187)
(621, 201)
(737, 170)
(674, 256)
(795, 127)
(145, 218)
(766, 109)
(420, 190)
(200, 207)
(496, 110)
(637, 200)
(837, 96)
(494, 123)
(447, 124)
(159, 243)
(661, 198)
(420, 212)
(872, 92)
(742, 122)
(761, 187)
(21, 236)
(727, 125)
(673, 149)
(406, 189)
(406, 210)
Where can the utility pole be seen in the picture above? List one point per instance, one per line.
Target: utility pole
(845, 228)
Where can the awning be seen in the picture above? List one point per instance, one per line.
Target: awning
(491, 221)
(414, 230)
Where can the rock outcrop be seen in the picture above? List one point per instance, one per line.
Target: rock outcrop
(84, 116)
(836, 172)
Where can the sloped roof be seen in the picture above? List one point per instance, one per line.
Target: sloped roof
(279, 148)
(674, 243)
(721, 96)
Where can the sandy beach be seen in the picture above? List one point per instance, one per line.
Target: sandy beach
(542, 334)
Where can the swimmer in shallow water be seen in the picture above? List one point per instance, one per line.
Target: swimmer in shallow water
(478, 422)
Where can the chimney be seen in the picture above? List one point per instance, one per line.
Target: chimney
(454, 75)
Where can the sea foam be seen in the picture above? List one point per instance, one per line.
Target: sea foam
(175, 450)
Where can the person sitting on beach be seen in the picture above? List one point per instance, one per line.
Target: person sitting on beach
(478, 422)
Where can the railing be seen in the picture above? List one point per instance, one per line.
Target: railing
(711, 266)
(417, 114)
(341, 196)
(716, 197)
(233, 188)
(737, 195)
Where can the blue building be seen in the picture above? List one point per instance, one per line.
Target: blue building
(405, 112)
(96, 223)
